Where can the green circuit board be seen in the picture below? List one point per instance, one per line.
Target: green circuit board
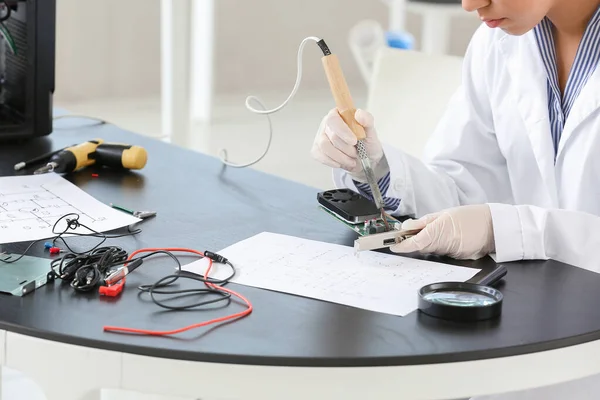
(364, 229)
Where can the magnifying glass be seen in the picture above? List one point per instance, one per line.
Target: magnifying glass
(464, 301)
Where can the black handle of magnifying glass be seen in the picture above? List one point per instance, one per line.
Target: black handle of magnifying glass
(493, 277)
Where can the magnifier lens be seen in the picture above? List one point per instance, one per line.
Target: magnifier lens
(460, 301)
(459, 298)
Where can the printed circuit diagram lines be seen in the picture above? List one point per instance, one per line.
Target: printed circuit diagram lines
(34, 207)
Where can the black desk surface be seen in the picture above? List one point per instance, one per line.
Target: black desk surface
(202, 205)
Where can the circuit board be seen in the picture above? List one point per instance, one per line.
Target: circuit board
(368, 227)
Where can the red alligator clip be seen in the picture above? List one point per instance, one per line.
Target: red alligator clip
(113, 290)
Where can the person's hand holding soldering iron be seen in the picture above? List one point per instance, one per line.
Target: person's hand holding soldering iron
(335, 145)
(464, 232)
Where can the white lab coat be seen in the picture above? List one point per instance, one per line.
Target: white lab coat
(494, 145)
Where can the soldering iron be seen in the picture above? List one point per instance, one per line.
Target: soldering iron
(346, 109)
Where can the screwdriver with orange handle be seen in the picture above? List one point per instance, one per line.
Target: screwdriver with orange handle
(96, 152)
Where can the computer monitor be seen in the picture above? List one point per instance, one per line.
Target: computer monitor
(27, 64)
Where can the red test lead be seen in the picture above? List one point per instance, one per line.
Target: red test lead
(211, 257)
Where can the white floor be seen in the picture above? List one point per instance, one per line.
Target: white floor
(243, 133)
(16, 386)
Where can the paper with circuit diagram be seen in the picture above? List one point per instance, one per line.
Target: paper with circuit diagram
(31, 205)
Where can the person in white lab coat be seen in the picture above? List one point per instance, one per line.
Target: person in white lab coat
(513, 168)
(514, 165)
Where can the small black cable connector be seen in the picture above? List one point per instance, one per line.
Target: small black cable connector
(215, 257)
(133, 265)
(324, 47)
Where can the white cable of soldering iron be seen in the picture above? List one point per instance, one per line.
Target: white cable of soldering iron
(266, 112)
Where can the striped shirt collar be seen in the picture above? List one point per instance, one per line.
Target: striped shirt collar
(584, 65)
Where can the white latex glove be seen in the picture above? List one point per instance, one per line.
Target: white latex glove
(334, 145)
(464, 232)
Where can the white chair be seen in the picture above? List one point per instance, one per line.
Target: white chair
(408, 94)
(366, 38)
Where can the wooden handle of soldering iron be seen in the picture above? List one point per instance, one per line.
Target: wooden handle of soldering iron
(341, 94)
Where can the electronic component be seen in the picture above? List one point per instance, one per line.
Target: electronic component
(362, 216)
(27, 65)
(381, 240)
(368, 228)
(355, 210)
(21, 275)
(350, 206)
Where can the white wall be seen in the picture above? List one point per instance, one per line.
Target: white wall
(108, 48)
(257, 40)
(102, 52)
(257, 44)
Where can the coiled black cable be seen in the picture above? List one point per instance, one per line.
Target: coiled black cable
(72, 223)
(88, 270)
(159, 287)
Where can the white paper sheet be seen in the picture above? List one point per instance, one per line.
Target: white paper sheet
(372, 281)
(30, 206)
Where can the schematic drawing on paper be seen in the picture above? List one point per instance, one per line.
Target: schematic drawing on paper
(35, 208)
(30, 206)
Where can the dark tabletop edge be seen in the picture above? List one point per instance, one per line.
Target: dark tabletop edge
(480, 355)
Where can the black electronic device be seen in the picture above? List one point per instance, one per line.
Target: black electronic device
(27, 68)
(348, 205)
